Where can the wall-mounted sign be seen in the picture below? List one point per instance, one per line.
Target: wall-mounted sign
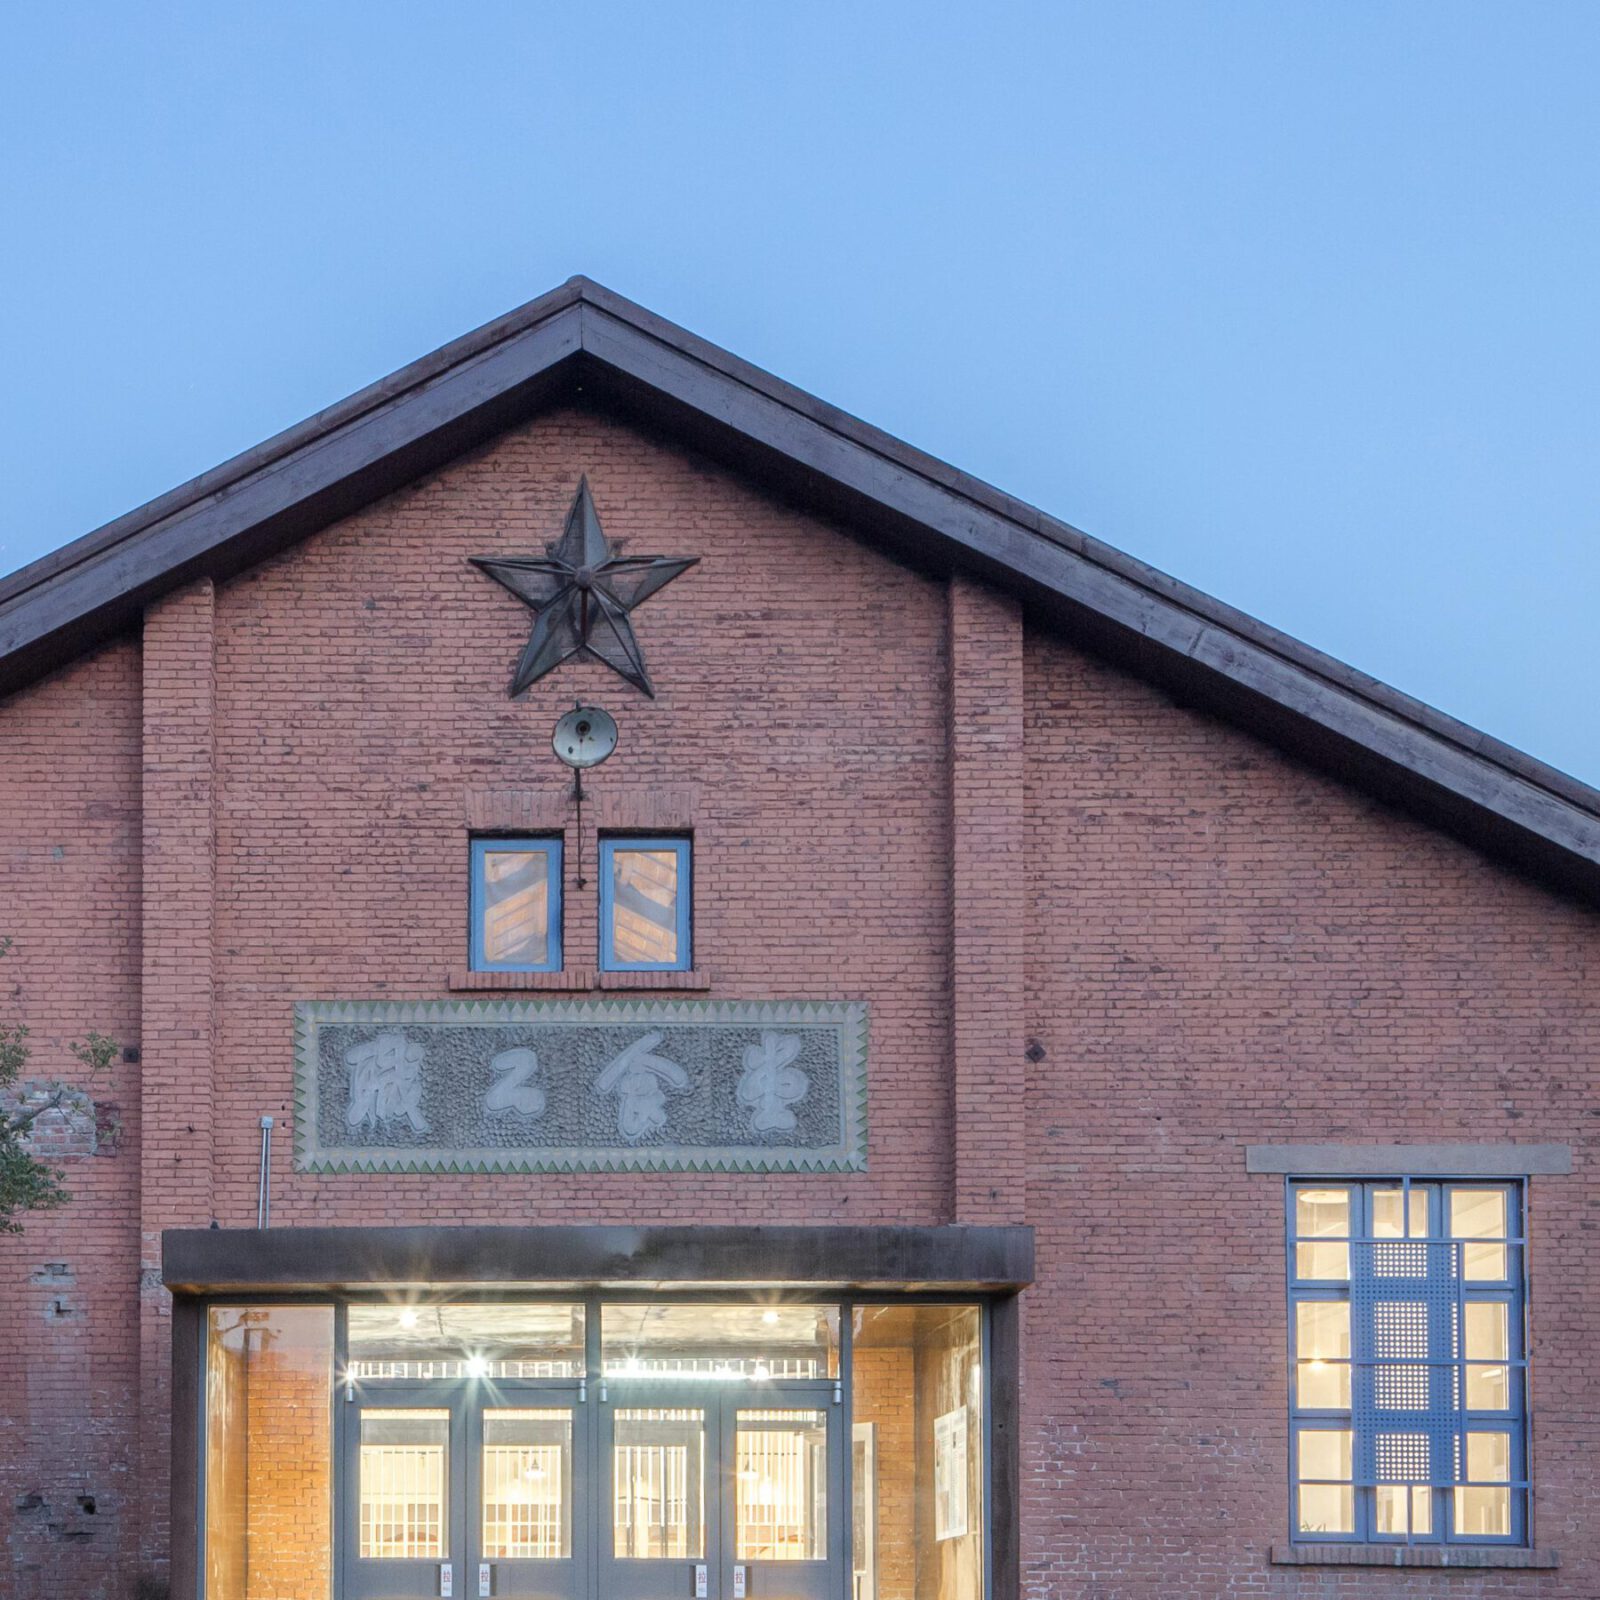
(950, 1474)
(533, 1086)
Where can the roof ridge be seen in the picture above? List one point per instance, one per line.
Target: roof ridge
(548, 350)
(1176, 590)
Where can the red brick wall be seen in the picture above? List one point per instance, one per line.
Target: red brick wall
(69, 897)
(1214, 948)
(987, 903)
(177, 992)
(1226, 949)
(801, 691)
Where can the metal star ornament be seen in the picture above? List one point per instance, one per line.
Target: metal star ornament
(581, 591)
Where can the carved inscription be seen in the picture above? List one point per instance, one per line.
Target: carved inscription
(385, 1082)
(770, 1084)
(526, 1086)
(512, 1091)
(639, 1078)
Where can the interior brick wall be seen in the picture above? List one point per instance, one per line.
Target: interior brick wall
(946, 1369)
(269, 1463)
(289, 1484)
(883, 1393)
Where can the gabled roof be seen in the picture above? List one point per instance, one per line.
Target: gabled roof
(581, 342)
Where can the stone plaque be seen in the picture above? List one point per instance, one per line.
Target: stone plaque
(606, 1085)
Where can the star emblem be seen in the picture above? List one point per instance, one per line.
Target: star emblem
(581, 591)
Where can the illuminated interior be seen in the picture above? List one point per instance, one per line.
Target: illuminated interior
(356, 1452)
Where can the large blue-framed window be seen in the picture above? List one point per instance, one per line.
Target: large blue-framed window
(645, 896)
(1408, 1361)
(516, 905)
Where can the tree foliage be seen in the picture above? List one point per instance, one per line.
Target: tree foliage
(26, 1182)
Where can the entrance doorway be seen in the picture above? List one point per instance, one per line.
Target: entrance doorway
(692, 1491)
(720, 1494)
(451, 1490)
(595, 1448)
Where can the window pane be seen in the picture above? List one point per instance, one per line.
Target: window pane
(404, 1485)
(1321, 1214)
(1388, 1214)
(426, 1341)
(644, 907)
(527, 1485)
(1322, 1331)
(1325, 1453)
(269, 1451)
(516, 907)
(1488, 1458)
(1480, 1214)
(917, 1382)
(1391, 1509)
(864, 1510)
(658, 1485)
(781, 1486)
(752, 1342)
(1487, 1341)
(1484, 1511)
(1326, 1507)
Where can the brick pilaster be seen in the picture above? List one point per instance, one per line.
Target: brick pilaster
(177, 1031)
(988, 904)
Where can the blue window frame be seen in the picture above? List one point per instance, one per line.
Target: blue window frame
(645, 895)
(516, 905)
(1408, 1362)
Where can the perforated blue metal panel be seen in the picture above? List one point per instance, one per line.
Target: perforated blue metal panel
(1404, 1303)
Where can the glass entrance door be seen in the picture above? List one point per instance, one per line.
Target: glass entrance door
(782, 1528)
(404, 1523)
(658, 1539)
(720, 1492)
(462, 1489)
(529, 1535)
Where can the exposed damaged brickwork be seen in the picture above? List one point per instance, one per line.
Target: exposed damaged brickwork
(65, 1122)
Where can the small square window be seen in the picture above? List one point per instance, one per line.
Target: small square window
(644, 905)
(516, 905)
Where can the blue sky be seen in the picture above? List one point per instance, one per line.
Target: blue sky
(1298, 301)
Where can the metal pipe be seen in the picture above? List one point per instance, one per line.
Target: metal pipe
(264, 1187)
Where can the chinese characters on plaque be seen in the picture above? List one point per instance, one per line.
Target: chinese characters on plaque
(507, 1085)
